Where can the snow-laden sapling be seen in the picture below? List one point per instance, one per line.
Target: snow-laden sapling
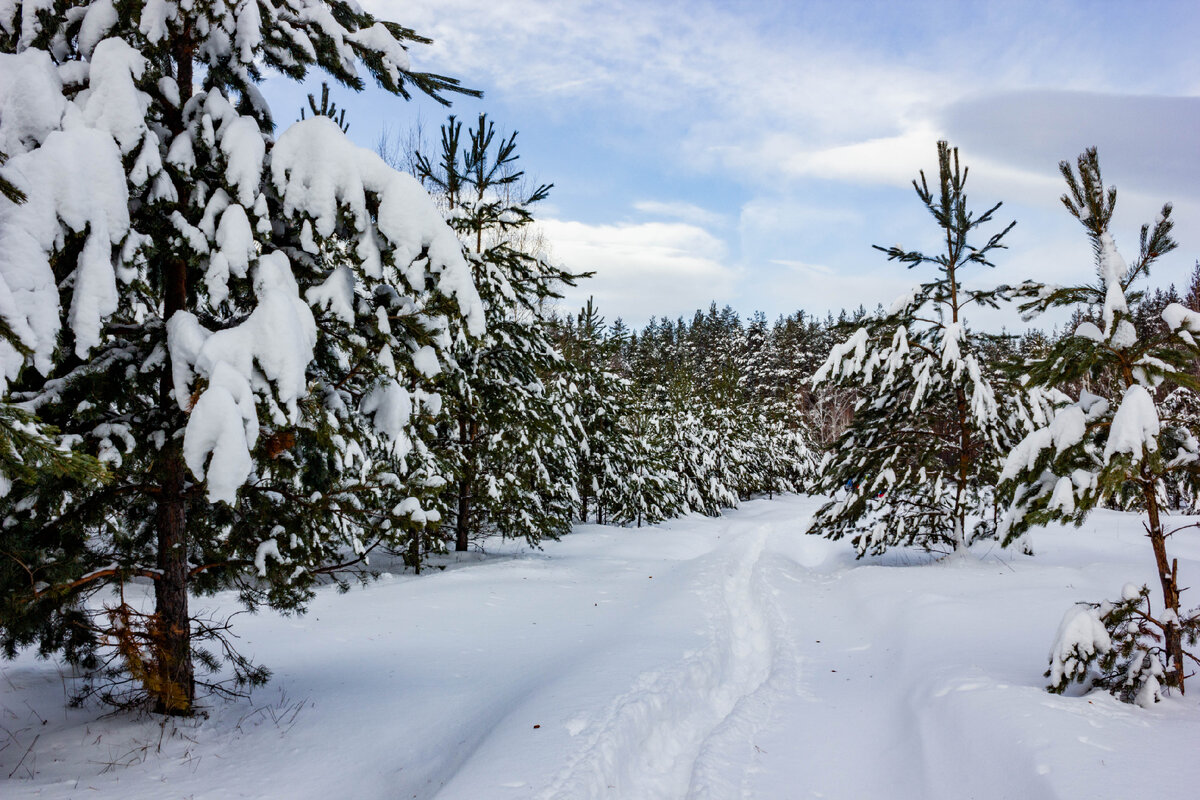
(240, 326)
(917, 463)
(1116, 646)
(1114, 440)
(509, 432)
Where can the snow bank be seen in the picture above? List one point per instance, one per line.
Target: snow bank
(703, 658)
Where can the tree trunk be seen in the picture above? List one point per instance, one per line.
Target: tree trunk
(964, 469)
(462, 524)
(1168, 576)
(960, 404)
(173, 687)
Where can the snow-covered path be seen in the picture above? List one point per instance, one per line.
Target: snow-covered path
(706, 658)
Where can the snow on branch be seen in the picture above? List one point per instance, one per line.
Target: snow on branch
(318, 172)
(275, 342)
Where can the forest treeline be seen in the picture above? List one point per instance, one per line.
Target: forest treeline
(236, 356)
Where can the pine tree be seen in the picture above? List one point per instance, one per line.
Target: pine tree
(642, 488)
(1116, 438)
(913, 467)
(512, 438)
(623, 473)
(1192, 298)
(599, 405)
(248, 325)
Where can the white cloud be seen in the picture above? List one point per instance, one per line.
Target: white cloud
(1147, 143)
(685, 212)
(891, 160)
(817, 113)
(734, 80)
(819, 288)
(642, 270)
(773, 213)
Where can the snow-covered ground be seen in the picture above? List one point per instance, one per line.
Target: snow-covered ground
(704, 658)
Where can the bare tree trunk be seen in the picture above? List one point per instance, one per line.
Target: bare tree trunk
(1168, 576)
(173, 687)
(462, 524)
(171, 683)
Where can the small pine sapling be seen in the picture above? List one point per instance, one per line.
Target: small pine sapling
(917, 463)
(1117, 646)
(1116, 443)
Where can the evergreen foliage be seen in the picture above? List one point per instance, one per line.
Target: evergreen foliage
(917, 463)
(1117, 646)
(1117, 440)
(242, 328)
(718, 417)
(621, 475)
(250, 361)
(28, 447)
(512, 437)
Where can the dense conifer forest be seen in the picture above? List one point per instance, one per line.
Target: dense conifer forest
(244, 359)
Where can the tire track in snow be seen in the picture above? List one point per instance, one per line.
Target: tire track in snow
(679, 731)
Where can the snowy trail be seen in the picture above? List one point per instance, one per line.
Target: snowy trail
(664, 738)
(704, 659)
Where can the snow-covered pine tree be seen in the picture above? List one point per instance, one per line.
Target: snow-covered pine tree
(644, 489)
(707, 444)
(780, 453)
(723, 427)
(600, 397)
(1116, 438)
(511, 434)
(240, 327)
(913, 466)
(622, 476)
(798, 346)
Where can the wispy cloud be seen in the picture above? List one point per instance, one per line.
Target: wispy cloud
(685, 212)
(763, 87)
(645, 269)
(805, 123)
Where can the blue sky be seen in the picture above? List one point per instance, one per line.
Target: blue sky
(750, 153)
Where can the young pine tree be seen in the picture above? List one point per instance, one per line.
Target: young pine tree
(241, 327)
(913, 466)
(622, 474)
(1116, 439)
(510, 434)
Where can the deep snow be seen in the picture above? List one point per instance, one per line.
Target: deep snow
(703, 658)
